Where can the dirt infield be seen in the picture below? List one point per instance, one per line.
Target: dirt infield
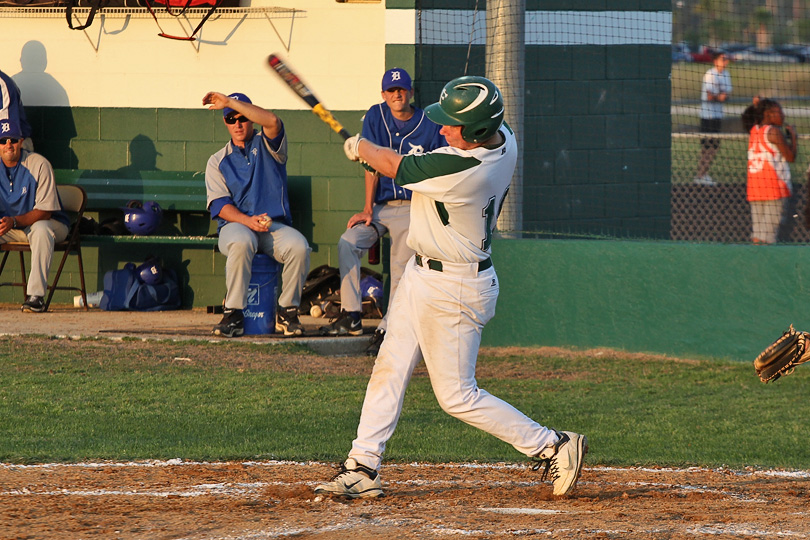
(257, 500)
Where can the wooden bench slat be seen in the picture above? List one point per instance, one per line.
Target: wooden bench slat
(151, 183)
(201, 241)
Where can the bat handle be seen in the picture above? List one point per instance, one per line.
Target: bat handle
(345, 134)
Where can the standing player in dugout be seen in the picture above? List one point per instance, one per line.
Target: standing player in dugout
(448, 291)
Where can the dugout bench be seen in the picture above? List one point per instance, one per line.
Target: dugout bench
(186, 223)
(186, 240)
(180, 194)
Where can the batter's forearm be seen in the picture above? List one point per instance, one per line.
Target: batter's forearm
(383, 160)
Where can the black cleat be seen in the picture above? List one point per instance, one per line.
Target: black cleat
(287, 321)
(232, 324)
(33, 304)
(346, 324)
(375, 342)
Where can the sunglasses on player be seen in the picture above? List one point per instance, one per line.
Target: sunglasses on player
(233, 119)
(6, 140)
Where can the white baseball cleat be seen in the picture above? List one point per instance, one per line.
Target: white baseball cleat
(563, 461)
(353, 480)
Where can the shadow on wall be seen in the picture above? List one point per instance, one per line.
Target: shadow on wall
(142, 157)
(52, 122)
(36, 86)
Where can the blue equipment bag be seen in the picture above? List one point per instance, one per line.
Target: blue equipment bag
(124, 291)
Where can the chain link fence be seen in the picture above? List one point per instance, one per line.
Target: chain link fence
(719, 211)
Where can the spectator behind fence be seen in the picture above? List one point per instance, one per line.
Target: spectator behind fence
(246, 184)
(714, 93)
(769, 154)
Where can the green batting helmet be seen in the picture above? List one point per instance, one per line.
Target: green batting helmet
(472, 102)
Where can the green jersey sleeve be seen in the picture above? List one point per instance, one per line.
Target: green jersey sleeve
(416, 168)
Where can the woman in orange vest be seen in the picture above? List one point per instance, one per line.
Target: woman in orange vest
(769, 187)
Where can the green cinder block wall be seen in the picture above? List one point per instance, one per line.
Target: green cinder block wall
(597, 122)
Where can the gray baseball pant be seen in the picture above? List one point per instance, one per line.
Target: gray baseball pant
(41, 235)
(282, 242)
(394, 218)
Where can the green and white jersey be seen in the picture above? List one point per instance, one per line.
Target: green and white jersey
(457, 196)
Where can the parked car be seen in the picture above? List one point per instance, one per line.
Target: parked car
(732, 48)
(705, 54)
(800, 52)
(765, 55)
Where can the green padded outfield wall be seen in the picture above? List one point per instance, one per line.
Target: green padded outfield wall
(704, 300)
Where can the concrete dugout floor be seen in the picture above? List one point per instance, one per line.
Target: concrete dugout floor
(195, 324)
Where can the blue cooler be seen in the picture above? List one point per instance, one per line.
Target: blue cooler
(260, 312)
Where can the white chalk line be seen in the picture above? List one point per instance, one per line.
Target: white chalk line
(176, 462)
(238, 489)
(742, 529)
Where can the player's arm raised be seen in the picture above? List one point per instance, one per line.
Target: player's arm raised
(383, 160)
(267, 119)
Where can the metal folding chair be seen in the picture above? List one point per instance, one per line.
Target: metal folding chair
(74, 201)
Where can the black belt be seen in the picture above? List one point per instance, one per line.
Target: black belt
(433, 264)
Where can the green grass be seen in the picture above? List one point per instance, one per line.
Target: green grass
(747, 79)
(68, 401)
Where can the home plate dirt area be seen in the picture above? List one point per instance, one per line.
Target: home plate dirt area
(255, 500)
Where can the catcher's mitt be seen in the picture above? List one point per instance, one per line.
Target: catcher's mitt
(782, 355)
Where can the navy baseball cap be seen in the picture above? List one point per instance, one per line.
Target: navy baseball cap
(237, 96)
(10, 129)
(396, 78)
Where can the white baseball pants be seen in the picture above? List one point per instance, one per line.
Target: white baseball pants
(439, 316)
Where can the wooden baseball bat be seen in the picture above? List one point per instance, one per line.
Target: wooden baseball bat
(297, 86)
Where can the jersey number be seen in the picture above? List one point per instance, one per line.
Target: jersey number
(490, 217)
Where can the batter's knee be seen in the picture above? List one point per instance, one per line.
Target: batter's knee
(457, 403)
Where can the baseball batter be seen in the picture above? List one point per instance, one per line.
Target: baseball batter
(448, 290)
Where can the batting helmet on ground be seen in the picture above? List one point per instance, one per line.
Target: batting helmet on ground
(469, 101)
(150, 272)
(371, 287)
